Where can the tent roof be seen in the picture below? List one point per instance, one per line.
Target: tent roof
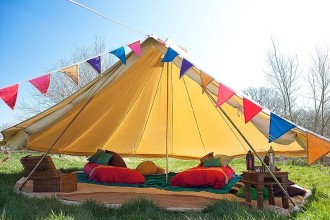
(145, 109)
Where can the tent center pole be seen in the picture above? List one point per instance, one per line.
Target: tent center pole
(254, 151)
(167, 90)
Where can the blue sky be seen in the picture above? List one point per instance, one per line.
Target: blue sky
(230, 38)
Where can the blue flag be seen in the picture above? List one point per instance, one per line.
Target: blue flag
(278, 127)
(170, 55)
(95, 63)
(184, 67)
(120, 53)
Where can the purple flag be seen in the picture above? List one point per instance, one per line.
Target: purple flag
(95, 63)
(120, 53)
(184, 67)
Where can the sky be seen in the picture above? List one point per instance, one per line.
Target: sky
(230, 39)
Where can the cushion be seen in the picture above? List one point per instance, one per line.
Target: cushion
(253, 193)
(209, 155)
(214, 177)
(224, 159)
(211, 162)
(146, 168)
(236, 187)
(103, 158)
(89, 167)
(111, 174)
(116, 160)
(95, 156)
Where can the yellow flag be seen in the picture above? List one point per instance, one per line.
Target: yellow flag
(205, 79)
(316, 148)
(71, 72)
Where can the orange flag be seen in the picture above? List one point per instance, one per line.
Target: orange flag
(316, 148)
(224, 94)
(205, 79)
(71, 72)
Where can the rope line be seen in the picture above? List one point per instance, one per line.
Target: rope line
(192, 108)
(104, 16)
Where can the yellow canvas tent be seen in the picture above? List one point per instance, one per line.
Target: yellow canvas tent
(144, 109)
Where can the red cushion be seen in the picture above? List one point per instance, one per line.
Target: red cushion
(89, 167)
(111, 174)
(215, 177)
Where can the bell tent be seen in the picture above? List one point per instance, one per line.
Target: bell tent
(150, 108)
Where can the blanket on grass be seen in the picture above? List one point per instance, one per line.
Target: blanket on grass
(159, 182)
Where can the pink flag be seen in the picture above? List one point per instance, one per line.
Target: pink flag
(224, 94)
(9, 95)
(250, 109)
(136, 47)
(41, 83)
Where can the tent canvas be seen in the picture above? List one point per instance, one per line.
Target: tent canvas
(145, 109)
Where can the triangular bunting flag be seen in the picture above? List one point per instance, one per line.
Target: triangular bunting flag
(95, 63)
(316, 148)
(170, 55)
(224, 94)
(41, 83)
(205, 79)
(185, 66)
(161, 41)
(250, 109)
(136, 47)
(278, 127)
(9, 95)
(120, 54)
(71, 72)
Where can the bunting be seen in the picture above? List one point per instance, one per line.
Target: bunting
(41, 83)
(205, 80)
(250, 109)
(170, 55)
(316, 148)
(95, 63)
(72, 72)
(136, 48)
(9, 95)
(185, 66)
(224, 94)
(278, 127)
(120, 54)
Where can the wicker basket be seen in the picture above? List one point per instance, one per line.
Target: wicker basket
(46, 178)
(64, 183)
(45, 170)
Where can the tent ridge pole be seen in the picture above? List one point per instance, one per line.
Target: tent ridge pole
(254, 151)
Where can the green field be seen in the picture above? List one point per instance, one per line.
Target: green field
(16, 206)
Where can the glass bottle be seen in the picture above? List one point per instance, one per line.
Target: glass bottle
(249, 161)
(271, 155)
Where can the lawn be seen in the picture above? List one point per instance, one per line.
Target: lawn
(16, 206)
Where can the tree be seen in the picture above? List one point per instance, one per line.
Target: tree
(283, 75)
(319, 83)
(266, 97)
(62, 86)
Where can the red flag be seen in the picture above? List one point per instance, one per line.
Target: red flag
(41, 83)
(136, 47)
(250, 109)
(9, 95)
(224, 94)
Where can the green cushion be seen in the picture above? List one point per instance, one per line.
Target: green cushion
(253, 193)
(211, 162)
(104, 158)
(95, 156)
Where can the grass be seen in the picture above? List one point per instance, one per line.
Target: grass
(17, 206)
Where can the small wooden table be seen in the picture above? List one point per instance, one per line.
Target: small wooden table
(260, 179)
